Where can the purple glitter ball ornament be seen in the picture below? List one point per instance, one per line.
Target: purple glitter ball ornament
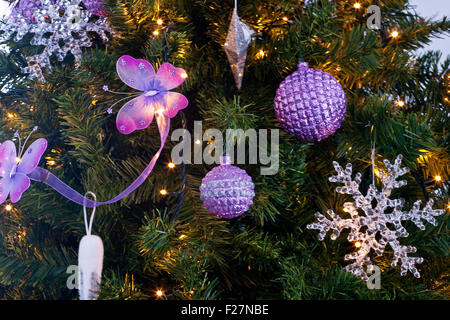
(96, 7)
(227, 191)
(310, 104)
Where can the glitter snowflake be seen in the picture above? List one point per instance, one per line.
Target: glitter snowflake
(375, 228)
(60, 26)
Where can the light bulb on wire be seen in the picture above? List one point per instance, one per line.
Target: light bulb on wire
(261, 54)
(400, 103)
(159, 293)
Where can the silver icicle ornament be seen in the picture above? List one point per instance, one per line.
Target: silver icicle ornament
(238, 39)
(90, 261)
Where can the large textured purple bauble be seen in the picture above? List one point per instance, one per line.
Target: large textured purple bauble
(310, 104)
(227, 191)
(96, 7)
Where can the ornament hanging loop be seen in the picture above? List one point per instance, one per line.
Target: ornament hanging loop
(372, 156)
(89, 226)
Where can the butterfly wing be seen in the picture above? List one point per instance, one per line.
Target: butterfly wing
(19, 184)
(170, 77)
(136, 73)
(5, 187)
(8, 155)
(136, 114)
(173, 102)
(32, 156)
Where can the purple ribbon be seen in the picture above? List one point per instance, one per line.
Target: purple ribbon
(42, 175)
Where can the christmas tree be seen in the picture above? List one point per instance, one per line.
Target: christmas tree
(161, 241)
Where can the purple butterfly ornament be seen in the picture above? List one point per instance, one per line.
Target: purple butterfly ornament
(156, 98)
(14, 169)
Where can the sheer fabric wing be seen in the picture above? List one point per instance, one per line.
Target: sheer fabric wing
(136, 114)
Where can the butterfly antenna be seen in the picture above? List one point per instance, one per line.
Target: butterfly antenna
(132, 96)
(17, 135)
(106, 89)
(26, 140)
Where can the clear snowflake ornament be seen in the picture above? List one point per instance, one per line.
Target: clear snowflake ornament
(370, 225)
(60, 26)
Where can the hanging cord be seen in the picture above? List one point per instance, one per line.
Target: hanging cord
(89, 227)
(373, 146)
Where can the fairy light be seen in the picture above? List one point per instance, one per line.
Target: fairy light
(10, 115)
(394, 34)
(159, 293)
(21, 234)
(197, 141)
(377, 172)
(438, 178)
(8, 207)
(18, 159)
(358, 244)
(285, 18)
(261, 54)
(163, 192)
(357, 5)
(448, 206)
(184, 75)
(182, 236)
(401, 103)
(171, 165)
(159, 22)
(160, 112)
(156, 33)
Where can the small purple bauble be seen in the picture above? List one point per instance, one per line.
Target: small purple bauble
(310, 104)
(227, 191)
(96, 7)
(26, 8)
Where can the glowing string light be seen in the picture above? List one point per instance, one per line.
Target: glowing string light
(159, 293)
